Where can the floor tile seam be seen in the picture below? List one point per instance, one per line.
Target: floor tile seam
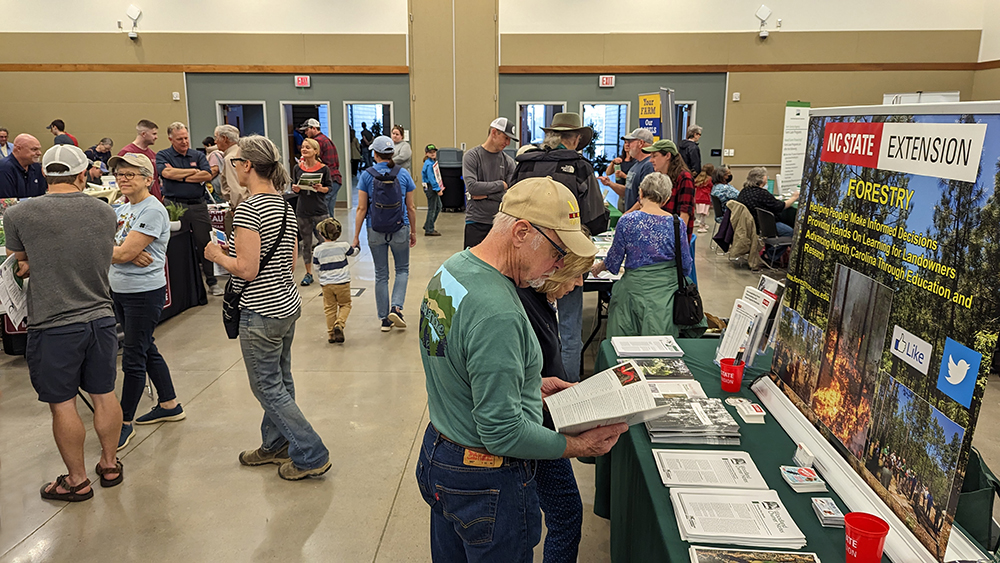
(399, 486)
(35, 531)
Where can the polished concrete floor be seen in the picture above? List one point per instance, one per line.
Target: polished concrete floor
(187, 498)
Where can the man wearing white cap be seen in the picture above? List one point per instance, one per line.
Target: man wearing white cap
(487, 172)
(67, 237)
(482, 364)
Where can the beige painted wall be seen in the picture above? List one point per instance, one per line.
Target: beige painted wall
(93, 105)
(476, 62)
(987, 85)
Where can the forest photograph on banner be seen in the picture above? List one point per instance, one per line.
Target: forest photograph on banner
(890, 317)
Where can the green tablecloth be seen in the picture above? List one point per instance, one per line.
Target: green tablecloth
(614, 217)
(631, 494)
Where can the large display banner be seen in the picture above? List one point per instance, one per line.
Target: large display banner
(890, 317)
(649, 114)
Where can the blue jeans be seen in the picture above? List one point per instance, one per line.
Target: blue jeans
(478, 514)
(267, 352)
(570, 332)
(433, 209)
(381, 244)
(331, 198)
(138, 314)
(559, 497)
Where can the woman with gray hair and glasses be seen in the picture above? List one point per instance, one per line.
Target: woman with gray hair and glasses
(643, 300)
(139, 289)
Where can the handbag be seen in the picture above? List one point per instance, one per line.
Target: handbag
(688, 308)
(231, 299)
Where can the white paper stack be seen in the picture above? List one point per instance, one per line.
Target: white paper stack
(735, 517)
(803, 479)
(829, 515)
(741, 332)
(701, 554)
(708, 468)
(662, 368)
(694, 421)
(646, 347)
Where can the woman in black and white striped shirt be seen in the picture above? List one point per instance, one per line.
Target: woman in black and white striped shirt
(269, 307)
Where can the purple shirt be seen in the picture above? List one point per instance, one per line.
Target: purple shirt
(642, 239)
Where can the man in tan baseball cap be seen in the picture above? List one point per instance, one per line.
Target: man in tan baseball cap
(482, 364)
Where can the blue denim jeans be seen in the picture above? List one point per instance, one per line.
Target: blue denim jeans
(331, 198)
(381, 244)
(571, 332)
(433, 209)
(138, 314)
(478, 514)
(559, 497)
(267, 352)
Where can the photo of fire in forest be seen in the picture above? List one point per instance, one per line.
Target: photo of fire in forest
(911, 460)
(852, 350)
(797, 353)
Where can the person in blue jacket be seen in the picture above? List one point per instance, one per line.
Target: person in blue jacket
(433, 187)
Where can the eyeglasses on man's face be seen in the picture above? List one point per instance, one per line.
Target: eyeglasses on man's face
(562, 252)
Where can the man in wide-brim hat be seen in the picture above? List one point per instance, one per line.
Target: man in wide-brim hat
(569, 122)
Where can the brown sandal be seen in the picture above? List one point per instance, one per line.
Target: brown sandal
(72, 495)
(101, 471)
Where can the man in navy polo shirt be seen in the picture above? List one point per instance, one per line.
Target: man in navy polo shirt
(183, 173)
(20, 173)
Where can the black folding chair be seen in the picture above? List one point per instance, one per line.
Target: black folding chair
(719, 211)
(767, 230)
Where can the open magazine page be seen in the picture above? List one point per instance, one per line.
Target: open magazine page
(608, 397)
(708, 468)
(751, 518)
(701, 554)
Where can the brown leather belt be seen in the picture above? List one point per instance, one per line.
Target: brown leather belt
(447, 439)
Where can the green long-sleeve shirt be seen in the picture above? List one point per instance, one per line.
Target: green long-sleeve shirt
(483, 363)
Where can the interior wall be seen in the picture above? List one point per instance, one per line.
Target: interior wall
(987, 85)
(205, 89)
(990, 47)
(476, 62)
(641, 16)
(755, 124)
(709, 90)
(293, 16)
(93, 105)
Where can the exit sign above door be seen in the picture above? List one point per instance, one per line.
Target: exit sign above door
(607, 81)
(302, 81)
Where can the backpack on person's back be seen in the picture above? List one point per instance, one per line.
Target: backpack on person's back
(572, 170)
(385, 209)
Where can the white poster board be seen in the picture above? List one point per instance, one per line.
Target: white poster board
(793, 146)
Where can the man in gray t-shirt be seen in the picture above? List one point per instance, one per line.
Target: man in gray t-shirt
(65, 241)
(488, 172)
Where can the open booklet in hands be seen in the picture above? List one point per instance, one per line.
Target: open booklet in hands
(618, 394)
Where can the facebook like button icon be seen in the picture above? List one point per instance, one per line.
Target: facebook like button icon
(959, 372)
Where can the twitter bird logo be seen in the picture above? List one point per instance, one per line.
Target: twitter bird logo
(956, 372)
(959, 371)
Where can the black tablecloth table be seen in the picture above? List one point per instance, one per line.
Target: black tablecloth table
(631, 494)
(185, 287)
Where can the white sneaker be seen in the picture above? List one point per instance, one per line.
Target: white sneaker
(218, 290)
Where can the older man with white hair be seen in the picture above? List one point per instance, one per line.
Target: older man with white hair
(20, 173)
(482, 364)
(227, 138)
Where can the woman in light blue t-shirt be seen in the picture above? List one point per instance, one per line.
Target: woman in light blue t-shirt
(139, 288)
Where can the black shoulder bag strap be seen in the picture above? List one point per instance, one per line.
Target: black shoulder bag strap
(688, 308)
(274, 247)
(231, 299)
(681, 280)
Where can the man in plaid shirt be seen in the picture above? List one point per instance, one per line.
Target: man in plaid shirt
(328, 156)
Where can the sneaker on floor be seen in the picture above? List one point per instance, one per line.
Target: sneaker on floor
(307, 280)
(338, 334)
(128, 431)
(432, 233)
(396, 317)
(386, 325)
(261, 457)
(289, 472)
(217, 290)
(160, 414)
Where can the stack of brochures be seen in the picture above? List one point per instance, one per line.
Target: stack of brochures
(829, 515)
(708, 468)
(646, 347)
(662, 368)
(735, 517)
(717, 555)
(694, 421)
(803, 479)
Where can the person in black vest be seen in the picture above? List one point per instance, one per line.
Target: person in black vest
(390, 226)
(559, 158)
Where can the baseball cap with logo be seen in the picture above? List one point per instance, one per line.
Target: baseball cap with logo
(65, 156)
(506, 126)
(430, 148)
(383, 145)
(547, 203)
(309, 123)
(138, 160)
(639, 134)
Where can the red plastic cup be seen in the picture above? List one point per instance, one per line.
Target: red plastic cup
(865, 537)
(732, 374)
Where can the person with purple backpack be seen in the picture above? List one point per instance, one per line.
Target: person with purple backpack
(387, 211)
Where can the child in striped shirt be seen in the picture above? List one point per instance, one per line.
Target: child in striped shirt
(330, 259)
